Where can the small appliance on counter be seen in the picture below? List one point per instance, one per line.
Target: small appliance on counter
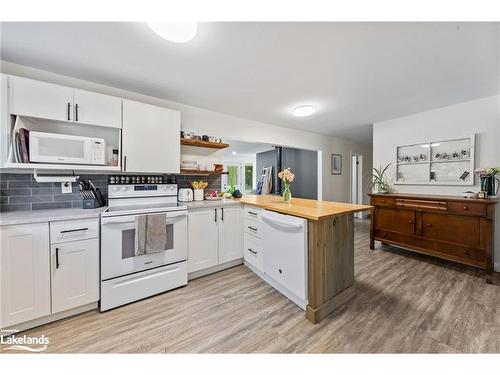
(185, 195)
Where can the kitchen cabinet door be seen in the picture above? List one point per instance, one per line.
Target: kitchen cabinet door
(150, 140)
(40, 99)
(75, 274)
(97, 109)
(203, 239)
(230, 233)
(24, 273)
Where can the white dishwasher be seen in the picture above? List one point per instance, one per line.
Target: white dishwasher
(284, 255)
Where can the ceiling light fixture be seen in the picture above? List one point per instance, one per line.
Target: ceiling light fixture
(304, 110)
(177, 32)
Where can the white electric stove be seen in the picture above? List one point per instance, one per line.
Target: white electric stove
(126, 277)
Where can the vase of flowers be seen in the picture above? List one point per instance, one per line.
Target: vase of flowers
(488, 180)
(287, 177)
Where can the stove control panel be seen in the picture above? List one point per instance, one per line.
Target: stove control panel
(142, 190)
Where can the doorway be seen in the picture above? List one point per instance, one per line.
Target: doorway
(357, 182)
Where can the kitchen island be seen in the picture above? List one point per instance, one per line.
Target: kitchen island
(330, 248)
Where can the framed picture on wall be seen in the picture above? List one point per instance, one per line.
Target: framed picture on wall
(336, 164)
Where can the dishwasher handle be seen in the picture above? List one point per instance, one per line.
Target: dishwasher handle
(281, 223)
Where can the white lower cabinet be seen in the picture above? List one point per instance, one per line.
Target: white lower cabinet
(215, 236)
(230, 234)
(39, 277)
(75, 274)
(24, 273)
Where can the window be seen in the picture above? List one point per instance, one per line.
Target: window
(239, 175)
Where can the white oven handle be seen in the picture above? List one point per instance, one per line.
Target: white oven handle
(131, 219)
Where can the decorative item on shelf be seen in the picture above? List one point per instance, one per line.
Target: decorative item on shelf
(198, 189)
(114, 161)
(482, 194)
(336, 164)
(218, 167)
(488, 180)
(182, 134)
(287, 176)
(379, 181)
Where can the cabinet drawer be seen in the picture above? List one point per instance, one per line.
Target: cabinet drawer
(73, 230)
(253, 251)
(422, 205)
(253, 213)
(253, 227)
(382, 201)
(465, 208)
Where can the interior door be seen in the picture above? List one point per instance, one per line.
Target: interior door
(203, 241)
(150, 138)
(97, 109)
(230, 233)
(24, 273)
(75, 274)
(40, 99)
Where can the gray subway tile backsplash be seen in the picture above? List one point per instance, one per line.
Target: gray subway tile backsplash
(20, 191)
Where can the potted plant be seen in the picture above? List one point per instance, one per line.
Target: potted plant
(287, 176)
(379, 181)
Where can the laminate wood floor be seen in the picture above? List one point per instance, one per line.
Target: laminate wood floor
(404, 303)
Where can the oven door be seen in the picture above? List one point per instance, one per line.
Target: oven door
(118, 245)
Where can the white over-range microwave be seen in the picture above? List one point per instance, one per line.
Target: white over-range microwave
(65, 149)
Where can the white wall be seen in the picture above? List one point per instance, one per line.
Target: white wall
(481, 117)
(218, 124)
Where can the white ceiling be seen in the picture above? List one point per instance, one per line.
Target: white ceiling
(355, 73)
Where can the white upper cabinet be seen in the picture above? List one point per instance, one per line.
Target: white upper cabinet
(230, 233)
(40, 99)
(97, 109)
(24, 273)
(150, 140)
(44, 100)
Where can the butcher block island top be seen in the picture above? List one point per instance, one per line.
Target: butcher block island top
(306, 208)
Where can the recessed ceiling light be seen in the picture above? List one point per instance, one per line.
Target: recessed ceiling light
(234, 152)
(304, 110)
(177, 32)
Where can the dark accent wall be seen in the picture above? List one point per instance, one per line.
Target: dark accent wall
(303, 163)
(21, 192)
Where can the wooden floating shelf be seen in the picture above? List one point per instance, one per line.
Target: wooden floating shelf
(205, 144)
(201, 173)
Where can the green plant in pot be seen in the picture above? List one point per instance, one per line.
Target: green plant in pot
(379, 181)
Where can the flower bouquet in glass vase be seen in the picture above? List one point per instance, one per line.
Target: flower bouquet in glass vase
(287, 176)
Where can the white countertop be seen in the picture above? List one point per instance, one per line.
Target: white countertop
(205, 203)
(41, 216)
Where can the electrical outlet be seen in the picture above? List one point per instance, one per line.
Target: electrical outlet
(66, 187)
